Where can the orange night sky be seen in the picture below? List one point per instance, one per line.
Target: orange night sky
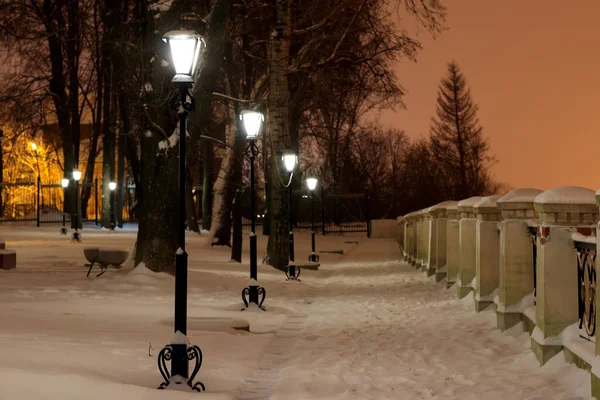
(534, 70)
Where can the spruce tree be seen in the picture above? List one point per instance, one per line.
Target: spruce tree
(457, 141)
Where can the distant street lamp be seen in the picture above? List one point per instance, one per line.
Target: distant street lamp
(185, 48)
(39, 181)
(252, 121)
(112, 186)
(312, 185)
(76, 176)
(64, 182)
(290, 160)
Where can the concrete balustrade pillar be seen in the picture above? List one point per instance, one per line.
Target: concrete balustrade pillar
(431, 250)
(467, 237)
(560, 211)
(516, 255)
(408, 255)
(452, 244)
(414, 237)
(438, 262)
(423, 235)
(487, 251)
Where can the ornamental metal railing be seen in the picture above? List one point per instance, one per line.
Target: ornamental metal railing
(533, 230)
(586, 288)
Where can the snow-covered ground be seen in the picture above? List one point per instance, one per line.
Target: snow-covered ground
(365, 326)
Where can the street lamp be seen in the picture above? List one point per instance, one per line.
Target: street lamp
(76, 176)
(39, 180)
(64, 182)
(290, 160)
(312, 185)
(251, 122)
(112, 186)
(185, 47)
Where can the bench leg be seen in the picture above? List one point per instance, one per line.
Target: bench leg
(91, 265)
(103, 268)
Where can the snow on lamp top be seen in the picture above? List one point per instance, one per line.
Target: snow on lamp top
(185, 48)
(290, 161)
(112, 185)
(76, 174)
(252, 121)
(64, 182)
(311, 183)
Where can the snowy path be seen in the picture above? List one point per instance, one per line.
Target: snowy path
(380, 330)
(365, 326)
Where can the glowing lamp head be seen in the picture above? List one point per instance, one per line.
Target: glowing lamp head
(252, 120)
(290, 161)
(33, 146)
(311, 183)
(64, 182)
(185, 48)
(112, 185)
(76, 174)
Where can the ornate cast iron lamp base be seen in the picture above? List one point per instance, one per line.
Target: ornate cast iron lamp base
(76, 236)
(193, 353)
(293, 273)
(251, 294)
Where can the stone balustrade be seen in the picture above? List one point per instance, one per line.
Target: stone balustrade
(530, 254)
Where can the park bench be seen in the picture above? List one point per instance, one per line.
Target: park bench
(8, 258)
(104, 257)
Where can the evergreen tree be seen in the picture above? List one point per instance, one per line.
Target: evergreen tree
(457, 141)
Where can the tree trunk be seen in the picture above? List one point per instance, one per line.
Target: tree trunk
(236, 247)
(279, 131)
(200, 125)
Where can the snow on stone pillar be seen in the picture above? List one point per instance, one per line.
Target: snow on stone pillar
(431, 232)
(516, 256)
(441, 218)
(452, 244)
(487, 251)
(467, 229)
(562, 211)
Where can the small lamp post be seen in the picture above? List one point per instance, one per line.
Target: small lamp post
(312, 185)
(252, 121)
(76, 176)
(39, 180)
(290, 160)
(112, 186)
(64, 182)
(185, 47)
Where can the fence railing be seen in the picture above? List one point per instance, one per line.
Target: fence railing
(44, 203)
(586, 290)
(533, 230)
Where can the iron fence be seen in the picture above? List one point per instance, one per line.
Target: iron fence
(586, 289)
(44, 203)
(533, 231)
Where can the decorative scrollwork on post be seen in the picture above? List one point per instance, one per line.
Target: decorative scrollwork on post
(194, 353)
(165, 355)
(246, 293)
(263, 292)
(586, 274)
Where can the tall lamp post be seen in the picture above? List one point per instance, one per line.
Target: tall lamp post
(64, 182)
(185, 47)
(290, 161)
(312, 185)
(39, 180)
(252, 121)
(112, 186)
(76, 176)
